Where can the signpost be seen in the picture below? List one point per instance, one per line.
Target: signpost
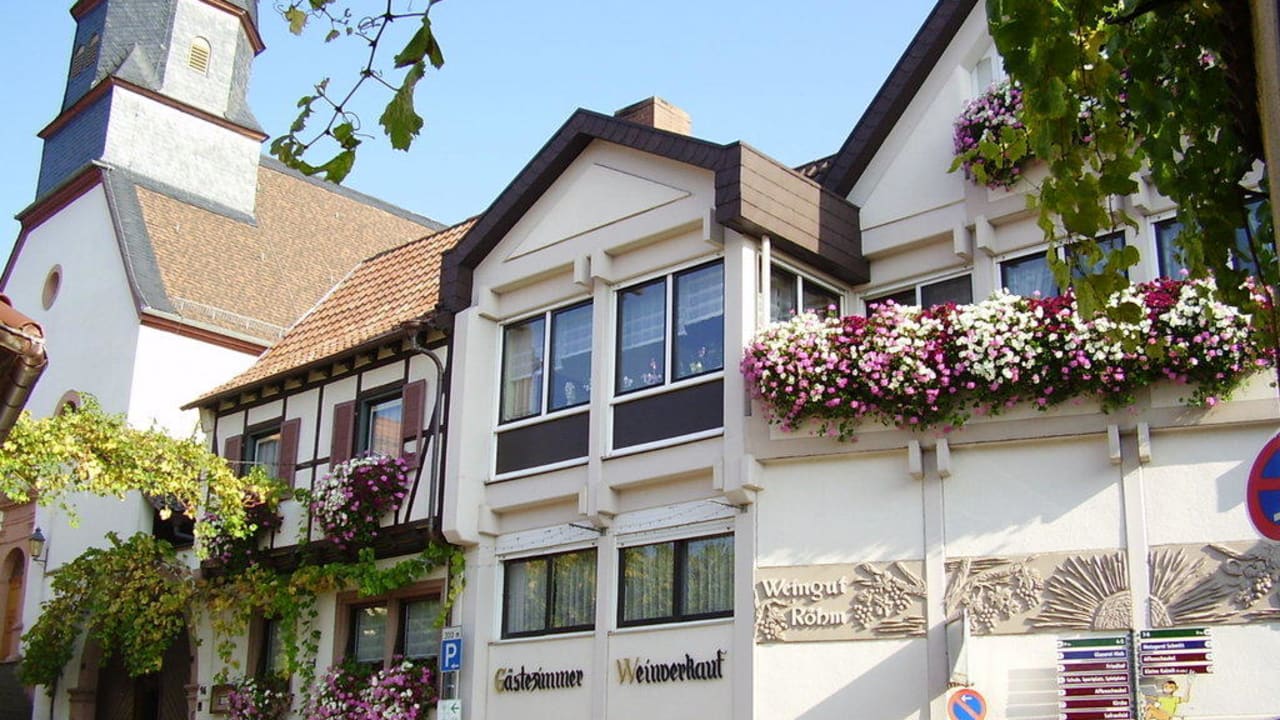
(449, 707)
(1263, 491)
(966, 704)
(1094, 680)
(1167, 653)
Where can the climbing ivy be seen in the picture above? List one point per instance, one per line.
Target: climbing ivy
(1118, 89)
(132, 597)
(92, 451)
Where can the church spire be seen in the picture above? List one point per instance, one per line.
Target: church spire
(160, 88)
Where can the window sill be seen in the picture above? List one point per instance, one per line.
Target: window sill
(517, 474)
(674, 625)
(545, 417)
(575, 635)
(665, 443)
(669, 387)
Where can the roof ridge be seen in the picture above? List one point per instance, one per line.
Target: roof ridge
(391, 250)
(271, 163)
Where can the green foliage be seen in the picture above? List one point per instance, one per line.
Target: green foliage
(89, 450)
(232, 601)
(1114, 88)
(341, 132)
(132, 597)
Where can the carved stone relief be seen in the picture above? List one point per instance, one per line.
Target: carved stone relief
(1201, 584)
(839, 602)
(1058, 592)
(1224, 583)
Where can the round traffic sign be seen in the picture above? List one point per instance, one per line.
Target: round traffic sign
(1263, 490)
(966, 704)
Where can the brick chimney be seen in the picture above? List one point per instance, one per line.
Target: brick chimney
(657, 113)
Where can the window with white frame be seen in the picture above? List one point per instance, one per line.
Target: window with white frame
(263, 448)
(676, 581)
(381, 425)
(1031, 275)
(987, 71)
(549, 594)
(532, 386)
(958, 290)
(1171, 261)
(791, 293)
(671, 328)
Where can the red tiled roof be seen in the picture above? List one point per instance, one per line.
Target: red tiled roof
(374, 300)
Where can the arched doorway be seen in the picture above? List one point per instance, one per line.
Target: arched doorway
(11, 586)
(116, 696)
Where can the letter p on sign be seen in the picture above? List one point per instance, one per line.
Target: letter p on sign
(451, 649)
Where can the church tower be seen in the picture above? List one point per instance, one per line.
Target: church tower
(158, 88)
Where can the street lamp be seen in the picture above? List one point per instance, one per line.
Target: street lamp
(36, 544)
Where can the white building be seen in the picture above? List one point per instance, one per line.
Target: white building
(641, 543)
(162, 254)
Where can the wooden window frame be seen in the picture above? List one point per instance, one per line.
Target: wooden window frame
(350, 601)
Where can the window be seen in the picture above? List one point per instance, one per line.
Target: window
(380, 426)
(399, 626)
(529, 383)
(676, 581)
(691, 304)
(987, 71)
(263, 448)
(198, 55)
(1030, 274)
(958, 290)
(270, 651)
(549, 594)
(1171, 264)
(791, 293)
(52, 284)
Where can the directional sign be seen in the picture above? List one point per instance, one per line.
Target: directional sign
(451, 649)
(967, 704)
(1174, 651)
(449, 709)
(1094, 681)
(1263, 491)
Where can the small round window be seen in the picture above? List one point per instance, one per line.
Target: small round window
(52, 284)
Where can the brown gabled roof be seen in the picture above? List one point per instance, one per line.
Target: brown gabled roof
(899, 88)
(256, 276)
(755, 194)
(373, 301)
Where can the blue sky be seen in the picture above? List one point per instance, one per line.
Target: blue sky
(789, 79)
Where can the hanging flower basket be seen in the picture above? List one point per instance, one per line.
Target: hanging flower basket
(990, 142)
(349, 503)
(262, 698)
(403, 691)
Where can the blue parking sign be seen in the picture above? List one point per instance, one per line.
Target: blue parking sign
(451, 649)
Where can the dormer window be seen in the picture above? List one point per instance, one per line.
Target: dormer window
(198, 55)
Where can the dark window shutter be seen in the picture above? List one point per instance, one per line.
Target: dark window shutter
(287, 461)
(344, 428)
(415, 396)
(233, 452)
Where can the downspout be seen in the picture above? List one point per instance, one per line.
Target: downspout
(437, 430)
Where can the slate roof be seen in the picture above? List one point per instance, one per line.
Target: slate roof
(373, 302)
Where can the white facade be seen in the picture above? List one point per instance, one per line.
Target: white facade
(1131, 521)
